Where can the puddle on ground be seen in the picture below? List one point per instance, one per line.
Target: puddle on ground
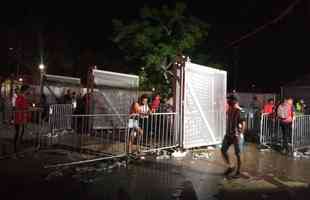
(267, 175)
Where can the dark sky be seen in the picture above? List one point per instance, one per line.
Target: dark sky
(278, 54)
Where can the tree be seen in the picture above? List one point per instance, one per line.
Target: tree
(154, 40)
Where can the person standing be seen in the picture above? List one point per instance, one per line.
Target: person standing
(68, 97)
(233, 136)
(74, 101)
(300, 107)
(135, 131)
(269, 107)
(255, 107)
(285, 114)
(13, 102)
(21, 116)
(144, 113)
(155, 104)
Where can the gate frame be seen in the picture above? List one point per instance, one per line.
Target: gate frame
(179, 94)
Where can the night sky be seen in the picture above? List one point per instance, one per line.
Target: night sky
(73, 32)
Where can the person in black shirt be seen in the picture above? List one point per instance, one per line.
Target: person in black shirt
(232, 137)
(68, 97)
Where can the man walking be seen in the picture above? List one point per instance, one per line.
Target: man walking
(285, 113)
(235, 128)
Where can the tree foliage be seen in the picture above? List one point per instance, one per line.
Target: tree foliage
(154, 40)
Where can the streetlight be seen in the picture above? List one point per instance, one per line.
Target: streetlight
(42, 71)
(41, 67)
(20, 79)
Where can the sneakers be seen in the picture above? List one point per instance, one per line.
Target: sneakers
(229, 171)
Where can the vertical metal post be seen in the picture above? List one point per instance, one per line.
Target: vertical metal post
(41, 85)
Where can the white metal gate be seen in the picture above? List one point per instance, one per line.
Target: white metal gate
(204, 106)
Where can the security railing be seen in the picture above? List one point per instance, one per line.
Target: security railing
(300, 133)
(26, 126)
(298, 138)
(105, 136)
(60, 117)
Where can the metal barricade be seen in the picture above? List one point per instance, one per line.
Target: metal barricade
(105, 136)
(159, 131)
(29, 127)
(300, 133)
(270, 132)
(60, 117)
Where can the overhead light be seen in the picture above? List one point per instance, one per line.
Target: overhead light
(20, 79)
(11, 49)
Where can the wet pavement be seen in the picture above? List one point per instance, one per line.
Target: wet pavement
(266, 175)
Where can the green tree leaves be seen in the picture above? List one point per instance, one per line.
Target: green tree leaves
(154, 40)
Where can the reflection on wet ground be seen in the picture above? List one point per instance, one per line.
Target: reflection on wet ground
(266, 175)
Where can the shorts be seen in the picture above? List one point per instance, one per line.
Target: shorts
(133, 123)
(237, 141)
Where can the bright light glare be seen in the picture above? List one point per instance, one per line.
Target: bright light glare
(41, 67)
(20, 79)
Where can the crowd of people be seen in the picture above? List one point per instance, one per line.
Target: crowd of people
(139, 117)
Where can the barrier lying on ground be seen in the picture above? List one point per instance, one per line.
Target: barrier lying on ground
(271, 133)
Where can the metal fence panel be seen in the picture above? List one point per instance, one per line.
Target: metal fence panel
(30, 127)
(135, 134)
(204, 106)
(301, 132)
(60, 117)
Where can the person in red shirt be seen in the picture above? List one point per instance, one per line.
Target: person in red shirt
(269, 107)
(22, 115)
(155, 103)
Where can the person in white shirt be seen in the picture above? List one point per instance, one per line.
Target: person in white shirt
(144, 114)
(144, 107)
(14, 98)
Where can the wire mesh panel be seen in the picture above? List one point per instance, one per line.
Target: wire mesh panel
(204, 106)
(55, 87)
(301, 133)
(114, 94)
(60, 117)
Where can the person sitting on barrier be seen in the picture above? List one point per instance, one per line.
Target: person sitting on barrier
(21, 117)
(133, 125)
(269, 107)
(286, 114)
(232, 137)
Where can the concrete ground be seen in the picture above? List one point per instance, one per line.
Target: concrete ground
(266, 175)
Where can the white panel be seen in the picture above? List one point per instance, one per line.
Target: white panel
(112, 79)
(204, 107)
